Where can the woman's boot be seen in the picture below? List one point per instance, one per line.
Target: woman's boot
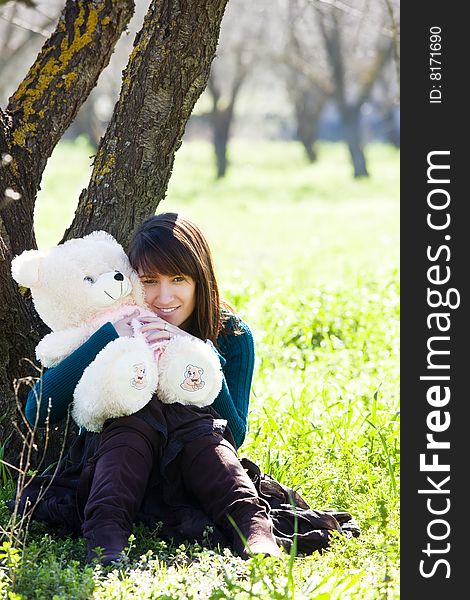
(213, 474)
(117, 481)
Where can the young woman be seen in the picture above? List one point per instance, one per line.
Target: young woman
(172, 464)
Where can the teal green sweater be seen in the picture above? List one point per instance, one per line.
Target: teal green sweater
(236, 354)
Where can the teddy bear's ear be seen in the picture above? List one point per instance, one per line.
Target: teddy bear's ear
(25, 267)
(101, 236)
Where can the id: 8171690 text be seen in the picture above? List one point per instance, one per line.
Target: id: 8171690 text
(435, 66)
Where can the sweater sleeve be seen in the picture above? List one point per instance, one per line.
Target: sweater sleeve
(57, 384)
(238, 352)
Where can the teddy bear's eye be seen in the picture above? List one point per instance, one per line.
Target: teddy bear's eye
(89, 279)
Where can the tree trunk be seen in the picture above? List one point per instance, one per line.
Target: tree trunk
(167, 71)
(306, 131)
(221, 122)
(308, 107)
(221, 119)
(352, 134)
(392, 131)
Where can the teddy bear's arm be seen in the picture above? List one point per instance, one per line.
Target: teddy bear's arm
(56, 346)
(57, 384)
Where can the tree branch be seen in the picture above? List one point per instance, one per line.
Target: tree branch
(64, 73)
(333, 46)
(28, 3)
(47, 100)
(167, 71)
(383, 55)
(396, 37)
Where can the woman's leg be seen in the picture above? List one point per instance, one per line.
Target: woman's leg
(212, 472)
(122, 467)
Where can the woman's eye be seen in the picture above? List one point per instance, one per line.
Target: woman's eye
(179, 278)
(89, 279)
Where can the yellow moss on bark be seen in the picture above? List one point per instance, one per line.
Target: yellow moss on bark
(14, 168)
(29, 93)
(20, 134)
(104, 169)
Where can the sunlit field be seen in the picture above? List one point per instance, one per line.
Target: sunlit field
(309, 258)
(273, 212)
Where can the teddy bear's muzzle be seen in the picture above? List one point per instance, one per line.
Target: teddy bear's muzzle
(109, 287)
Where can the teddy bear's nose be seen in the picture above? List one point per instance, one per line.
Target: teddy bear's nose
(119, 277)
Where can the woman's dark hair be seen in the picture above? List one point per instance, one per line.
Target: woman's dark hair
(170, 244)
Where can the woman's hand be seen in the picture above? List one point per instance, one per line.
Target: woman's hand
(124, 326)
(158, 331)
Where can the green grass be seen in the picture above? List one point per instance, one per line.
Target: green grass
(309, 256)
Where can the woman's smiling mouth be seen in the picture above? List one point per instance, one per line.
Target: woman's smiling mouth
(167, 311)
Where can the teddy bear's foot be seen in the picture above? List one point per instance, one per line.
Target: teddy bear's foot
(189, 373)
(120, 381)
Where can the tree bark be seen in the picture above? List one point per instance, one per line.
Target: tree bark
(167, 71)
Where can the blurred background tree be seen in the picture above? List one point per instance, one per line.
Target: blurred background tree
(306, 78)
(358, 42)
(243, 36)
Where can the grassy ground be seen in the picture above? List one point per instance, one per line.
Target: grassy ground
(309, 257)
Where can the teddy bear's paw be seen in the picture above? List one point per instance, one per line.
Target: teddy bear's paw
(55, 346)
(120, 381)
(189, 373)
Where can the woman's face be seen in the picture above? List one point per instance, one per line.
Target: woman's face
(170, 297)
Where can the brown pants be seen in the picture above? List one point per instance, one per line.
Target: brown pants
(211, 472)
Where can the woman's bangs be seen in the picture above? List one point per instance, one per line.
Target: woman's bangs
(169, 258)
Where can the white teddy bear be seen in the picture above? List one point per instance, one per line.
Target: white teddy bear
(82, 284)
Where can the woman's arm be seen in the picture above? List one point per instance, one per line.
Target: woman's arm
(57, 384)
(238, 361)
